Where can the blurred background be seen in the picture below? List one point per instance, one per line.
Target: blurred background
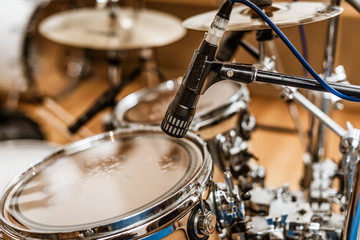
(46, 83)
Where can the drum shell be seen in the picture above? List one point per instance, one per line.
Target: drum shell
(160, 220)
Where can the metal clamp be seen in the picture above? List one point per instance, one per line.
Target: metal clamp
(227, 204)
(202, 222)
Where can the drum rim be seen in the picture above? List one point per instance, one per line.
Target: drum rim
(167, 211)
(200, 121)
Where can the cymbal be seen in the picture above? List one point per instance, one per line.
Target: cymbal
(283, 14)
(118, 29)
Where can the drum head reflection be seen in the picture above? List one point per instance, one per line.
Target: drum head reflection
(95, 183)
(151, 107)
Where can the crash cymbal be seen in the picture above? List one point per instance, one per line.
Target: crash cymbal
(283, 14)
(116, 29)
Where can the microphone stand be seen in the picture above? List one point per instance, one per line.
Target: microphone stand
(246, 73)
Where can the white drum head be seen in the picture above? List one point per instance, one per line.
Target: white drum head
(18, 155)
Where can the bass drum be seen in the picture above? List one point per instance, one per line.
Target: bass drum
(22, 64)
(126, 184)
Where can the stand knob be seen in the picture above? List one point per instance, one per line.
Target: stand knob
(205, 224)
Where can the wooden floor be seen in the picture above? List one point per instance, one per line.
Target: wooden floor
(279, 151)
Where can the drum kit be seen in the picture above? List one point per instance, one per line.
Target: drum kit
(136, 182)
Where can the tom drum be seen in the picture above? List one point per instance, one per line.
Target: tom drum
(223, 102)
(126, 184)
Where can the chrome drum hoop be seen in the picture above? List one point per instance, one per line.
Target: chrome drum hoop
(202, 119)
(161, 216)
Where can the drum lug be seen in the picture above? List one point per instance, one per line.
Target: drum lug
(227, 149)
(202, 222)
(228, 205)
(230, 152)
(246, 124)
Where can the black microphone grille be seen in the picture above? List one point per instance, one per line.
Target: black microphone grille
(176, 125)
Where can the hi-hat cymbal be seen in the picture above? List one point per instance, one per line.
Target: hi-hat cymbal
(283, 14)
(118, 29)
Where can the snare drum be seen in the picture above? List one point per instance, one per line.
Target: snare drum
(214, 113)
(126, 184)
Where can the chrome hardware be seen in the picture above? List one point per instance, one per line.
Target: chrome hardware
(204, 224)
(339, 76)
(323, 173)
(231, 146)
(349, 147)
(227, 204)
(229, 151)
(246, 124)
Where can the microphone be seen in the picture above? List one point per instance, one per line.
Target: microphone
(182, 108)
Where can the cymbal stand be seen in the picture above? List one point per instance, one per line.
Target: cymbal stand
(316, 146)
(113, 69)
(271, 64)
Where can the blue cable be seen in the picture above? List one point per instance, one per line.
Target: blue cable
(295, 52)
(304, 45)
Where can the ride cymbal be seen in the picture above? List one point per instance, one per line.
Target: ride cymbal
(112, 29)
(283, 14)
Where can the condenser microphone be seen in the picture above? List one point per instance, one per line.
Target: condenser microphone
(182, 108)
